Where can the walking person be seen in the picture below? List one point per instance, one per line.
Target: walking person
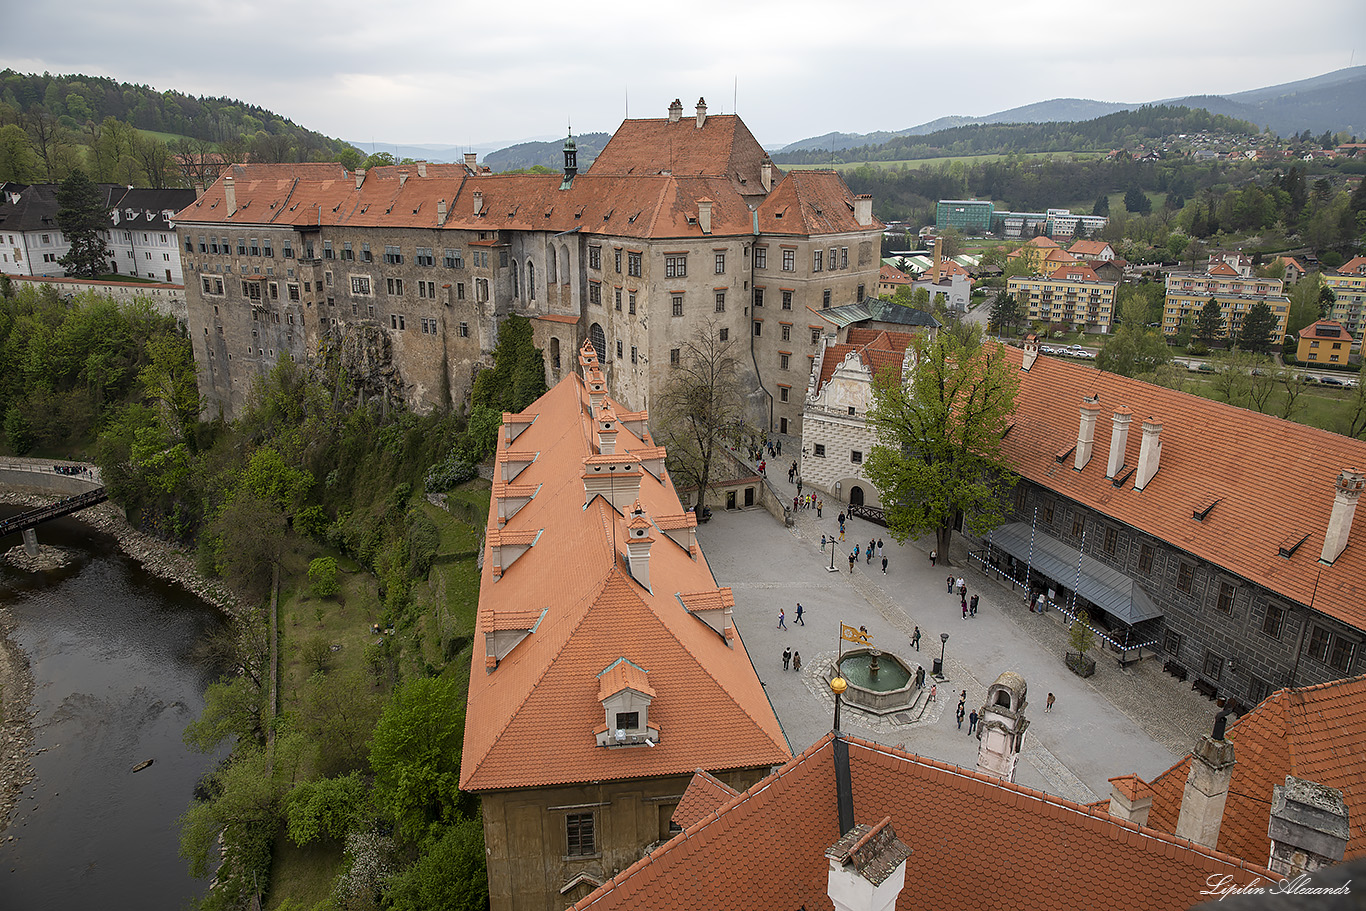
(841, 533)
(879, 547)
(934, 691)
(1048, 706)
(853, 557)
(871, 542)
(949, 582)
(965, 608)
(819, 504)
(972, 606)
(796, 661)
(799, 614)
(884, 568)
(855, 551)
(799, 485)
(787, 658)
(972, 722)
(934, 558)
(961, 713)
(915, 639)
(822, 543)
(962, 586)
(782, 619)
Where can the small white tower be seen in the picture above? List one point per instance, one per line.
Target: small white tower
(1002, 726)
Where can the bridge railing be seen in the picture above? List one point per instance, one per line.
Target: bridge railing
(56, 510)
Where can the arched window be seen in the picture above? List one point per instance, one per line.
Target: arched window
(564, 261)
(555, 353)
(550, 265)
(530, 279)
(515, 291)
(599, 339)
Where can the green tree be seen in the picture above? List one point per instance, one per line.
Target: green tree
(939, 431)
(1259, 325)
(415, 755)
(700, 406)
(451, 874)
(1136, 202)
(169, 382)
(325, 808)
(1132, 350)
(83, 219)
(1209, 325)
(322, 577)
(1005, 311)
(18, 162)
(1102, 206)
(517, 377)
(1079, 635)
(1304, 304)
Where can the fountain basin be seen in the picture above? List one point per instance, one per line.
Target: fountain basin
(891, 689)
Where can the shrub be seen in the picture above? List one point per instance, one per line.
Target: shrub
(322, 576)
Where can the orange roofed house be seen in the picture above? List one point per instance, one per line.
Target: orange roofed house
(681, 225)
(609, 666)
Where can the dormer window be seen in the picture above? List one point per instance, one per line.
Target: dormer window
(625, 696)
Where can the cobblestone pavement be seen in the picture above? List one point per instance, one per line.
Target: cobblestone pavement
(1120, 721)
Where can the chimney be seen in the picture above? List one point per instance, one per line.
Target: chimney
(675, 111)
(198, 189)
(704, 214)
(1350, 482)
(597, 389)
(863, 209)
(638, 543)
(440, 212)
(615, 478)
(1202, 803)
(701, 112)
(470, 159)
(766, 173)
(867, 868)
(938, 258)
(1086, 434)
(1149, 453)
(1031, 351)
(422, 169)
(360, 177)
(607, 430)
(402, 178)
(1130, 799)
(1119, 438)
(1308, 828)
(230, 194)
(478, 202)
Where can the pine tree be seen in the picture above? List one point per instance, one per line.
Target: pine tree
(1210, 323)
(83, 219)
(1257, 328)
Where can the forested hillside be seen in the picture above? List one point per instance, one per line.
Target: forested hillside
(1123, 128)
(51, 125)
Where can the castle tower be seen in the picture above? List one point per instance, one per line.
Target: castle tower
(1002, 726)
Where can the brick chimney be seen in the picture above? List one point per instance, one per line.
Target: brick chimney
(597, 388)
(1149, 453)
(701, 112)
(422, 169)
(360, 177)
(1086, 433)
(1119, 438)
(440, 212)
(863, 209)
(766, 174)
(938, 258)
(478, 201)
(1130, 799)
(704, 214)
(1031, 351)
(867, 868)
(1202, 803)
(607, 430)
(638, 541)
(1308, 827)
(470, 159)
(230, 194)
(1349, 484)
(675, 111)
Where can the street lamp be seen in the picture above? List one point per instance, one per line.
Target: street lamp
(838, 686)
(939, 662)
(832, 555)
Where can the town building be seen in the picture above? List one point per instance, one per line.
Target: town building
(1324, 341)
(858, 826)
(611, 667)
(1348, 285)
(1091, 249)
(970, 216)
(1072, 294)
(1236, 293)
(890, 280)
(1148, 508)
(141, 240)
(681, 226)
(980, 216)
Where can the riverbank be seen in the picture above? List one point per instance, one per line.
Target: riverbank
(16, 683)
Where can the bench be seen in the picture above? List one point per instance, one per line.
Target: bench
(1204, 688)
(1176, 670)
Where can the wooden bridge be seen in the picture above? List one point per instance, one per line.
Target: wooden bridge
(26, 521)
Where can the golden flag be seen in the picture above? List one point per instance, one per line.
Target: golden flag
(854, 634)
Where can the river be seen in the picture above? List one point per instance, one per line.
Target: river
(119, 670)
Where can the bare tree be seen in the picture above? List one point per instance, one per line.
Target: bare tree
(1294, 384)
(700, 405)
(48, 137)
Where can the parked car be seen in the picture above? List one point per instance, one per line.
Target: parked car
(1331, 381)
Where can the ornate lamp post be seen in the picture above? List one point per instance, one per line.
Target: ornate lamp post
(838, 686)
(939, 662)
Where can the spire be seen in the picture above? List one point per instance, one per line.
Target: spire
(571, 162)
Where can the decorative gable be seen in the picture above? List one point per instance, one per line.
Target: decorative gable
(505, 630)
(625, 696)
(511, 464)
(506, 546)
(713, 608)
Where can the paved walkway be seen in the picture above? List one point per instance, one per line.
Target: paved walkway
(1119, 721)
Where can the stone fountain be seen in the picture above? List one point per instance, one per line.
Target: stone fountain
(879, 681)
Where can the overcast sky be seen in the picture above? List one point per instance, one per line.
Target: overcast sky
(460, 73)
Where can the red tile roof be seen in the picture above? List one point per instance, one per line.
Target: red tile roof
(531, 719)
(1223, 269)
(765, 848)
(878, 350)
(893, 275)
(1317, 733)
(705, 794)
(1086, 248)
(1325, 329)
(1082, 273)
(1210, 451)
(1356, 266)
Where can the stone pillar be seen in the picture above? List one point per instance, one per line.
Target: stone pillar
(1202, 804)
(31, 541)
(1308, 828)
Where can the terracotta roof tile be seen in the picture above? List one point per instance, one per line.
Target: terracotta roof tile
(705, 794)
(765, 848)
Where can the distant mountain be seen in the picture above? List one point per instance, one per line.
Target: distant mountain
(1334, 101)
(547, 154)
(428, 152)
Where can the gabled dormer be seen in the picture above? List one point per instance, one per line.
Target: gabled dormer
(637, 422)
(510, 498)
(714, 608)
(638, 543)
(511, 464)
(652, 460)
(625, 696)
(681, 529)
(505, 630)
(506, 546)
(514, 424)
